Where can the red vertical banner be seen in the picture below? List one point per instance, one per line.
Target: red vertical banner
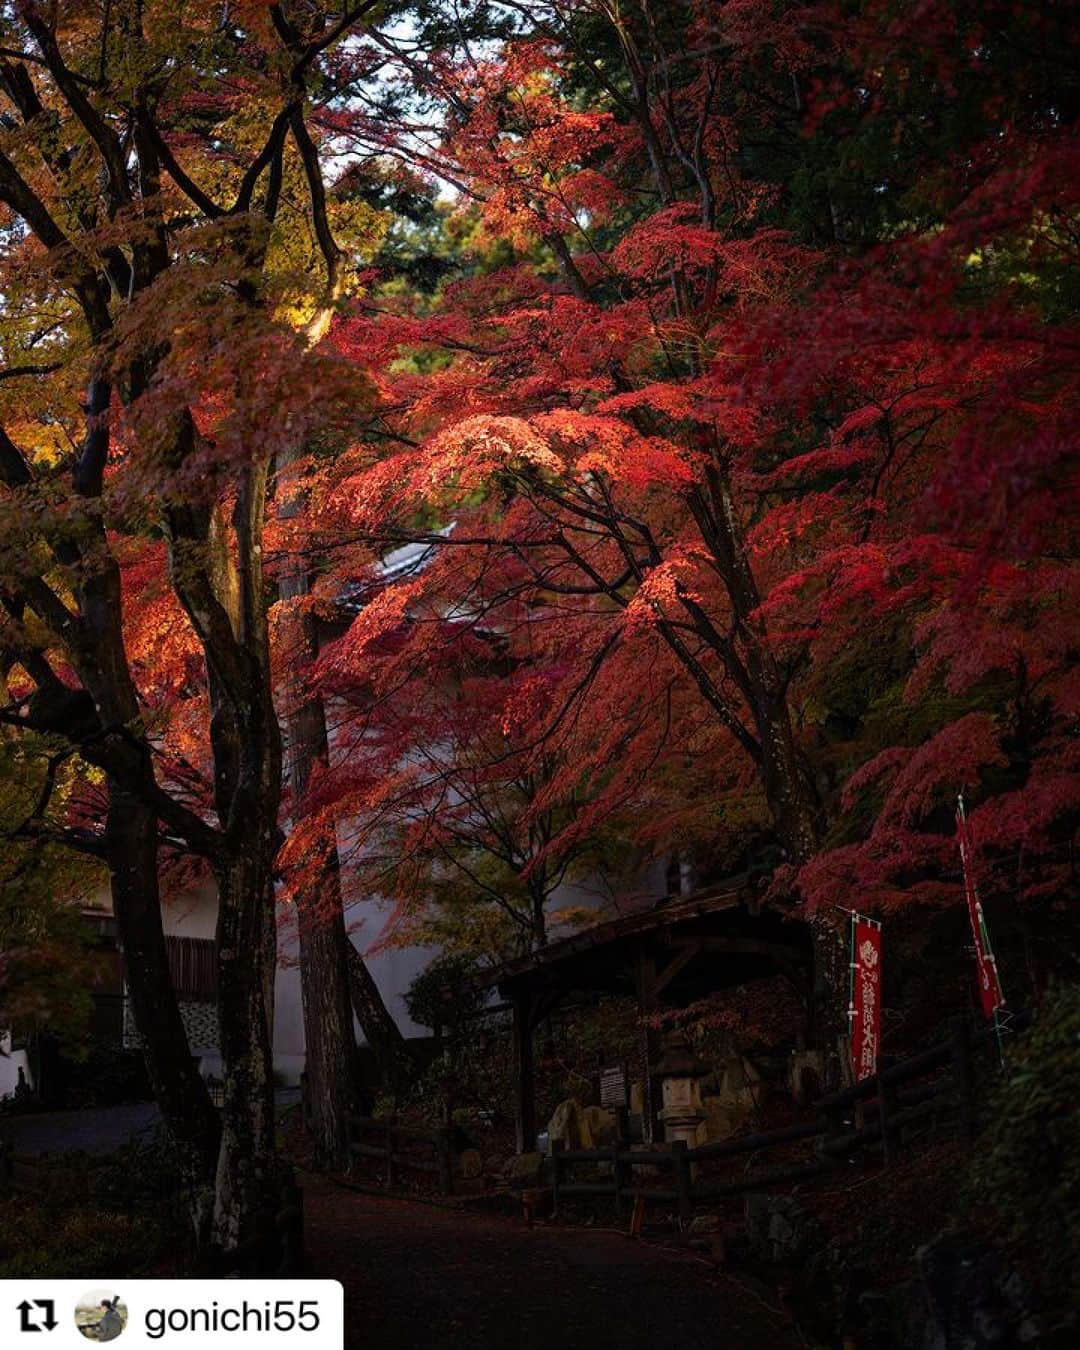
(990, 995)
(865, 1010)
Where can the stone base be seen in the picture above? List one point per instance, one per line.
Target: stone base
(681, 1125)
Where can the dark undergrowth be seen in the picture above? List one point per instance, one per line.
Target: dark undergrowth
(72, 1214)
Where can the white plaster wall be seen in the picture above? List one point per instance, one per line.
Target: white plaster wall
(288, 1009)
(11, 1061)
(192, 914)
(195, 915)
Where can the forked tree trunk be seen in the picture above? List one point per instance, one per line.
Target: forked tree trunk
(215, 568)
(788, 791)
(222, 589)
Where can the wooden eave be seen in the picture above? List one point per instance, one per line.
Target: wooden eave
(741, 940)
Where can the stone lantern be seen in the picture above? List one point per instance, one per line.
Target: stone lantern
(681, 1073)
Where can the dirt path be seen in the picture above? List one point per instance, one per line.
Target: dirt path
(418, 1276)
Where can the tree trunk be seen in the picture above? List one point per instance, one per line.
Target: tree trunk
(247, 1178)
(329, 1041)
(537, 903)
(381, 1031)
(213, 527)
(222, 589)
(793, 808)
(131, 846)
(330, 1044)
(181, 1094)
(788, 790)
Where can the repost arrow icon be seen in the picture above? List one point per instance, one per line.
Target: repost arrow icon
(24, 1317)
(26, 1307)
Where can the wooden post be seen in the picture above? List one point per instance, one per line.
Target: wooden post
(848, 1079)
(962, 1075)
(444, 1160)
(305, 1101)
(683, 1185)
(524, 1070)
(832, 1119)
(391, 1172)
(557, 1147)
(621, 1171)
(650, 1043)
(888, 1106)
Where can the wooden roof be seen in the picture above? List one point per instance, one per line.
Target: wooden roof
(741, 940)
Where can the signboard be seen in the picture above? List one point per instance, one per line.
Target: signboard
(990, 995)
(613, 1085)
(865, 1006)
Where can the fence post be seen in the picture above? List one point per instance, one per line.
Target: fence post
(443, 1160)
(305, 1099)
(623, 1171)
(680, 1166)
(557, 1146)
(391, 1171)
(962, 1074)
(887, 1108)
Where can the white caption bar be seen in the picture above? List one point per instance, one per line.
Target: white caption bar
(278, 1314)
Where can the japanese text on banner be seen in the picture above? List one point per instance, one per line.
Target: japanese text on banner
(866, 996)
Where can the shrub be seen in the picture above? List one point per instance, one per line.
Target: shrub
(37, 1240)
(81, 1215)
(1027, 1165)
(107, 1076)
(440, 996)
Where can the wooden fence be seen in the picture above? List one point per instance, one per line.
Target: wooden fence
(402, 1148)
(873, 1113)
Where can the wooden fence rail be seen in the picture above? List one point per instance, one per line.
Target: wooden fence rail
(391, 1136)
(882, 1114)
